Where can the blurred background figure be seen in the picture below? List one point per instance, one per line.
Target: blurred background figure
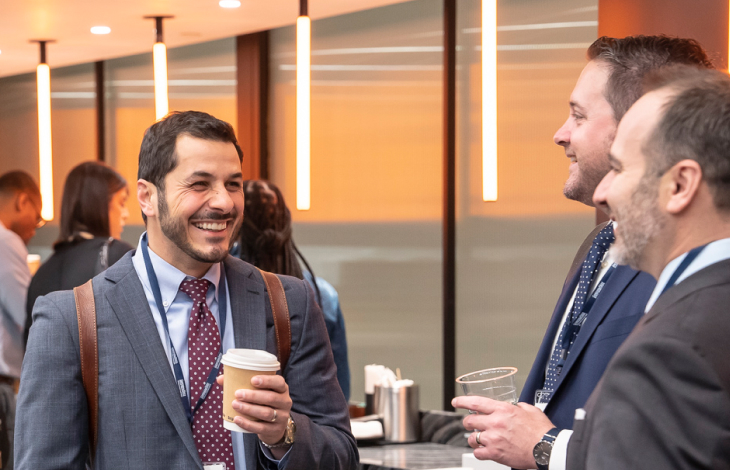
(20, 215)
(93, 212)
(266, 242)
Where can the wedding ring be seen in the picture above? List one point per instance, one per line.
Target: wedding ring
(477, 437)
(274, 418)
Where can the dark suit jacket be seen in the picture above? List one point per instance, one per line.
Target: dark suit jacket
(70, 265)
(664, 401)
(142, 424)
(617, 309)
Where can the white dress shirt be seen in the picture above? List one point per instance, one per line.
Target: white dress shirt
(14, 281)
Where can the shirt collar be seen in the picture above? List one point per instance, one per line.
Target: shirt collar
(714, 252)
(169, 277)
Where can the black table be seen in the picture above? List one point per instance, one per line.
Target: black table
(423, 455)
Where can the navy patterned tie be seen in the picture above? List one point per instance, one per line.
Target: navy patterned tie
(589, 269)
(211, 439)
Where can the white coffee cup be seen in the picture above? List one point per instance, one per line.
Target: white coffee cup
(241, 365)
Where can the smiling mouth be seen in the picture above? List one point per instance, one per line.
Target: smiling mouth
(211, 226)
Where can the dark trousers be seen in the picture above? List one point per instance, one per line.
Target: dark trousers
(7, 424)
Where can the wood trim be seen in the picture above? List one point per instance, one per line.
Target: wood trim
(252, 89)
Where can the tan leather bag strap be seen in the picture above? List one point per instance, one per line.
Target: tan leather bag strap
(280, 311)
(86, 315)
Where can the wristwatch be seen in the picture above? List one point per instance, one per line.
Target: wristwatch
(544, 448)
(288, 438)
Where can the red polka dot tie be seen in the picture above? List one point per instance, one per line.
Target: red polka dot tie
(212, 440)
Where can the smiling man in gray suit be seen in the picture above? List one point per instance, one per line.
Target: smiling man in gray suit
(664, 400)
(190, 193)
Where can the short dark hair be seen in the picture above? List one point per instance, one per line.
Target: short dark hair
(695, 125)
(14, 182)
(629, 60)
(157, 154)
(87, 192)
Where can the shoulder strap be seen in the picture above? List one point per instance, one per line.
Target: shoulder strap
(280, 311)
(86, 315)
(580, 256)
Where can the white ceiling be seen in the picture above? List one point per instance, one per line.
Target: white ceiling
(68, 22)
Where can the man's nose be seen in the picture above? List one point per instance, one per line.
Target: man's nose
(562, 135)
(221, 199)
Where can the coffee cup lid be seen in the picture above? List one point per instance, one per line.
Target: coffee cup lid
(252, 359)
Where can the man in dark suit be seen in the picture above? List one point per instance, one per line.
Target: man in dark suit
(600, 302)
(664, 401)
(161, 319)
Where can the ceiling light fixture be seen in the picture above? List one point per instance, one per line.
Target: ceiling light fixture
(229, 3)
(45, 155)
(304, 27)
(489, 100)
(159, 59)
(100, 30)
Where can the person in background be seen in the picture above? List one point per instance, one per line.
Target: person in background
(601, 301)
(93, 213)
(20, 215)
(266, 242)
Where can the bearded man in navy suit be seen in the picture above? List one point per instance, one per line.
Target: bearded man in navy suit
(601, 302)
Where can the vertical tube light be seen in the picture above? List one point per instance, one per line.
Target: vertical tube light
(489, 100)
(159, 62)
(159, 59)
(43, 79)
(304, 28)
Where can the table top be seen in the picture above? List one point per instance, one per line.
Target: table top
(423, 455)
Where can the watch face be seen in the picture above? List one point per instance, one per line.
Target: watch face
(541, 452)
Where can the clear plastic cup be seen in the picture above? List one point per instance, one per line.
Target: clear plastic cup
(497, 384)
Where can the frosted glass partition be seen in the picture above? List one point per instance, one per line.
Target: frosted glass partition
(374, 229)
(513, 254)
(73, 123)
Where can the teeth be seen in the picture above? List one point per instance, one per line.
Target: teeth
(212, 226)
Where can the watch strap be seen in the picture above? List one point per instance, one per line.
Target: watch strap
(548, 439)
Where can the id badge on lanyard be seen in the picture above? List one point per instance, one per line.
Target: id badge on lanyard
(214, 466)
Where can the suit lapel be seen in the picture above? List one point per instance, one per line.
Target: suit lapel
(249, 325)
(536, 378)
(129, 302)
(611, 292)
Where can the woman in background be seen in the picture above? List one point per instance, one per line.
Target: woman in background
(266, 242)
(93, 213)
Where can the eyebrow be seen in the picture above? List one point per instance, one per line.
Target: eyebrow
(205, 174)
(574, 105)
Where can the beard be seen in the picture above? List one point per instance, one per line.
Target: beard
(175, 229)
(581, 185)
(640, 222)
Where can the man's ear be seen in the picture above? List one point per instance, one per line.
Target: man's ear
(21, 199)
(684, 180)
(147, 197)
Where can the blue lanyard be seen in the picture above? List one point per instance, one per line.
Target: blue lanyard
(693, 253)
(179, 377)
(575, 325)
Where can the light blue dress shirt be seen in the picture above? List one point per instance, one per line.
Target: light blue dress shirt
(177, 306)
(713, 253)
(14, 281)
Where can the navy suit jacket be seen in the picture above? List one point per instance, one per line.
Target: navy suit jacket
(617, 309)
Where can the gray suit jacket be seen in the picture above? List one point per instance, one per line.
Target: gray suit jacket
(664, 401)
(142, 424)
